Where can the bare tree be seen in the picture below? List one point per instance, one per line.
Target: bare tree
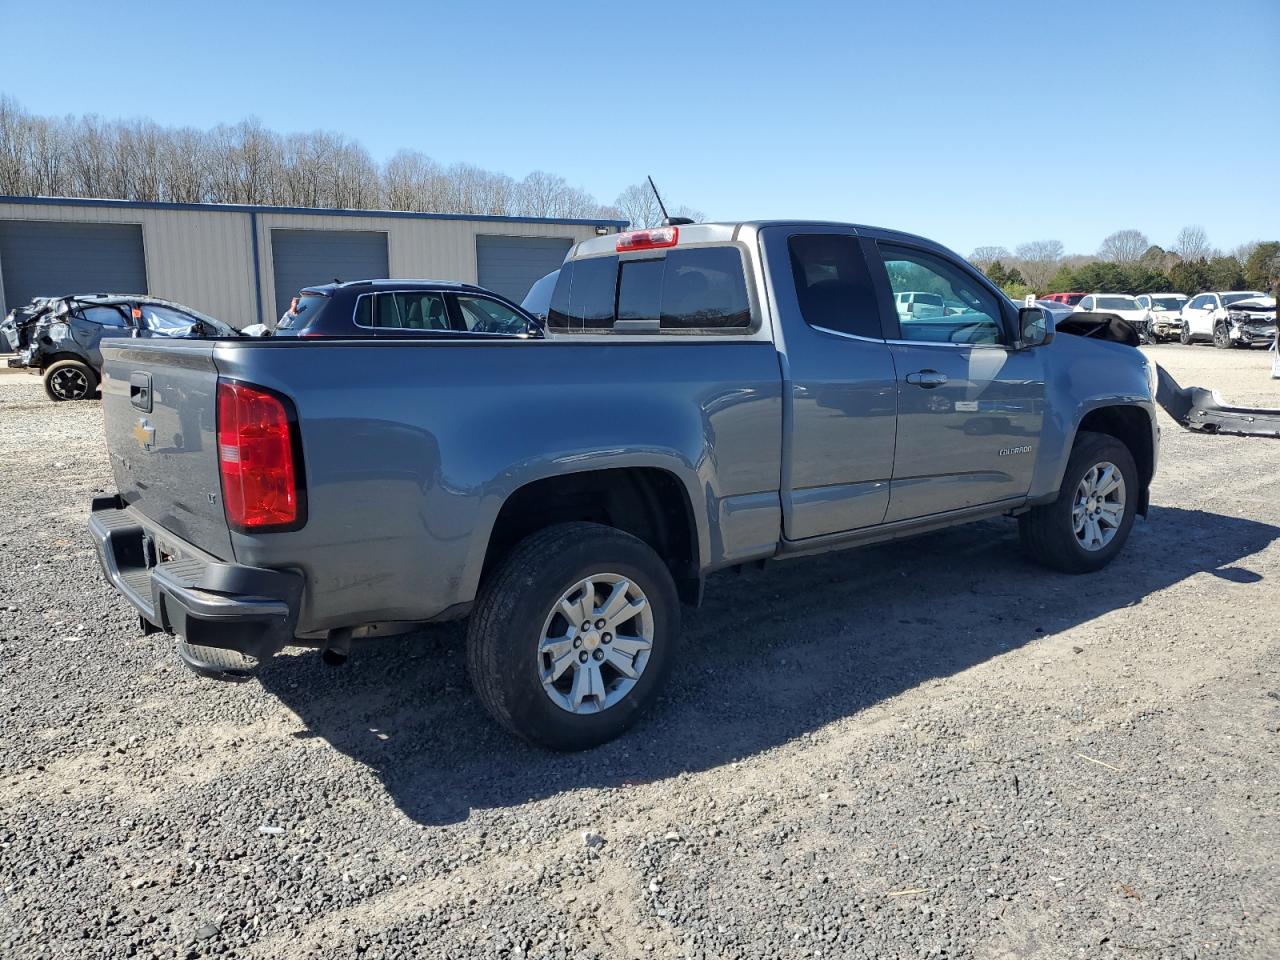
(689, 213)
(184, 167)
(983, 257)
(1038, 260)
(15, 135)
(1124, 246)
(1192, 243)
(1244, 251)
(412, 181)
(250, 164)
(639, 206)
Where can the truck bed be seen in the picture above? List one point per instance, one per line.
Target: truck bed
(411, 447)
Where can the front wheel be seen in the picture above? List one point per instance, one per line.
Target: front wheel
(70, 380)
(573, 634)
(1184, 336)
(1089, 522)
(1222, 337)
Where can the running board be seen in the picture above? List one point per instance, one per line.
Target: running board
(1205, 411)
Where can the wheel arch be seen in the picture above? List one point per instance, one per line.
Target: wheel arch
(49, 359)
(1131, 425)
(652, 503)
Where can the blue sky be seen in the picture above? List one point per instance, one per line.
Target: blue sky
(973, 123)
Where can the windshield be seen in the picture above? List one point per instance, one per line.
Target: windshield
(166, 321)
(1117, 303)
(1228, 298)
(304, 308)
(538, 300)
(1167, 303)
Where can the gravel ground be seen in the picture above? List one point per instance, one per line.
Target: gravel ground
(929, 749)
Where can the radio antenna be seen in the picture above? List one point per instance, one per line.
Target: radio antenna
(661, 206)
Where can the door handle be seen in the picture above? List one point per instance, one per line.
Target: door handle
(140, 391)
(927, 379)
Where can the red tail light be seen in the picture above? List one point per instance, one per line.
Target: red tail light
(648, 239)
(261, 480)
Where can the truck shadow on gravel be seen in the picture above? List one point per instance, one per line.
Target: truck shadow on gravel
(771, 656)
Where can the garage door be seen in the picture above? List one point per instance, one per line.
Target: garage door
(49, 258)
(510, 265)
(304, 258)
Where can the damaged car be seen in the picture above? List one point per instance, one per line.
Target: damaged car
(59, 337)
(16, 326)
(1208, 317)
(1164, 314)
(1250, 322)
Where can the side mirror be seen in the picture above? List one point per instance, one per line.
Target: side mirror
(1035, 327)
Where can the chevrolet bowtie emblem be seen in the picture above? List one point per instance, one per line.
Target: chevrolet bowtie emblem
(144, 433)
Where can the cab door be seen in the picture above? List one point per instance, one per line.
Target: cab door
(839, 389)
(970, 405)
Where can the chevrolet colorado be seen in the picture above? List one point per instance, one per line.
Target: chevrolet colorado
(702, 396)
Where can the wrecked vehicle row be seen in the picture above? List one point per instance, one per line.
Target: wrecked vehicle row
(60, 337)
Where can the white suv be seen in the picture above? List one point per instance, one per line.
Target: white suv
(1205, 317)
(1164, 314)
(914, 305)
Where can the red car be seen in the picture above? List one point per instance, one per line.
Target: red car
(1070, 299)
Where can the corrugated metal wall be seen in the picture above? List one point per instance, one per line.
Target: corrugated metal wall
(204, 257)
(418, 248)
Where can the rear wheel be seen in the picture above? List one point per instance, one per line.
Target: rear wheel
(70, 380)
(1089, 522)
(572, 635)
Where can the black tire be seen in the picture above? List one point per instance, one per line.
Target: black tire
(1047, 533)
(1184, 335)
(506, 627)
(69, 380)
(1222, 336)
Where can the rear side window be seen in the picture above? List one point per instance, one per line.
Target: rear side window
(833, 284)
(412, 310)
(106, 316)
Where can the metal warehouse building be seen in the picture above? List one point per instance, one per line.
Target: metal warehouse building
(243, 264)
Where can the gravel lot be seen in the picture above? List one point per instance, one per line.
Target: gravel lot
(930, 749)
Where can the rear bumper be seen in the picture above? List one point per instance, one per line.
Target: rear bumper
(178, 589)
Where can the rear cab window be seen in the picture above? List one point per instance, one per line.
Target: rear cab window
(683, 290)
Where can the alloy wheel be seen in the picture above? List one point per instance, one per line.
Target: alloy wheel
(1097, 509)
(595, 643)
(69, 384)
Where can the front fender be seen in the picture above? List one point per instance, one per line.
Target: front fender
(1083, 376)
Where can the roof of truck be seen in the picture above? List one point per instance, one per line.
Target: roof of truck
(726, 231)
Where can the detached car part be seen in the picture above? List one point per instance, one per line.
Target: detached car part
(1204, 410)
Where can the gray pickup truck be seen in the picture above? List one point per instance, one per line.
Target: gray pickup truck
(702, 396)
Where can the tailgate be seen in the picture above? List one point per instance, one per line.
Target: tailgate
(159, 401)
